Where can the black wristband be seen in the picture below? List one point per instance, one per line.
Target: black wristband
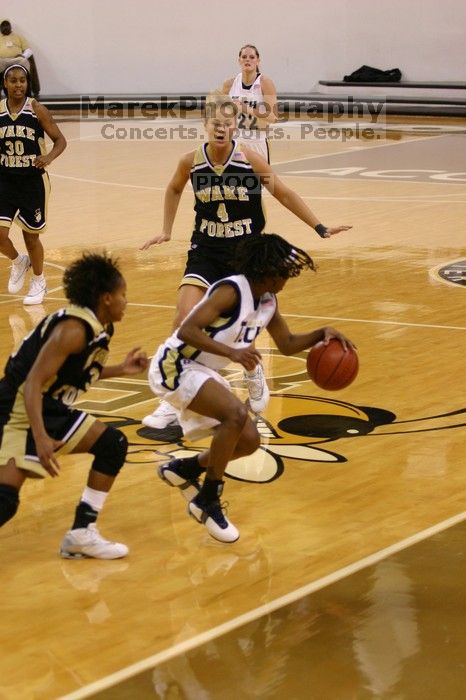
(321, 230)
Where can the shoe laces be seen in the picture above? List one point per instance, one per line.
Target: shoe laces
(95, 535)
(21, 263)
(218, 510)
(256, 387)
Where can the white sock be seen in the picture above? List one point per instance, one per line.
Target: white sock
(95, 499)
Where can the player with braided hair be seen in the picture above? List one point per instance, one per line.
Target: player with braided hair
(270, 255)
(220, 329)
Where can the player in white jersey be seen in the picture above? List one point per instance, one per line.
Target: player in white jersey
(256, 97)
(220, 329)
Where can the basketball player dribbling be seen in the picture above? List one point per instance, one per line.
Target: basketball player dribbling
(221, 329)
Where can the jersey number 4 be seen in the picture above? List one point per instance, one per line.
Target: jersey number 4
(222, 212)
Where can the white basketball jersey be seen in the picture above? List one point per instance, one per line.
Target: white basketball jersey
(238, 329)
(252, 95)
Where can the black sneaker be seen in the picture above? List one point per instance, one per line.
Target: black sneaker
(211, 515)
(170, 473)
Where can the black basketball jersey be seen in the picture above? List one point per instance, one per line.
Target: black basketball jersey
(21, 140)
(78, 371)
(228, 199)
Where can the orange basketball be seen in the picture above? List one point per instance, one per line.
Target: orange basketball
(330, 366)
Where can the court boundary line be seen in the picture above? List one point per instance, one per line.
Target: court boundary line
(287, 315)
(204, 637)
(314, 156)
(396, 198)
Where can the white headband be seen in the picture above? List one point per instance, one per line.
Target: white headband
(16, 65)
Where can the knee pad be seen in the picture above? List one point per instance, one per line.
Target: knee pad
(9, 502)
(110, 452)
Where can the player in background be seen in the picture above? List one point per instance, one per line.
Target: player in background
(24, 182)
(256, 98)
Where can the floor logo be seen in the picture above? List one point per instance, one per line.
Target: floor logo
(296, 428)
(452, 273)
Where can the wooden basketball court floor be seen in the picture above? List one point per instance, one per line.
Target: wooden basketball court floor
(348, 579)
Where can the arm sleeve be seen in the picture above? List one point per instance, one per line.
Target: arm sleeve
(24, 46)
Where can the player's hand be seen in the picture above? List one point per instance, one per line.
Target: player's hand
(156, 240)
(134, 362)
(328, 333)
(45, 450)
(332, 230)
(42, 161)
(248, 357)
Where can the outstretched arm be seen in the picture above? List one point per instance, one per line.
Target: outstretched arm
(50, 127)
(291, 343)
(172, 199)
(134, 363)
(290, 199)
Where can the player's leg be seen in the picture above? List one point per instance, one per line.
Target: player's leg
(11, 480)
(38, 286)
(109, 447)
(21, 264)
(184, 472)
(188, 296)
(79, 432)
(32, 219)
(236, 435)
(17, 460)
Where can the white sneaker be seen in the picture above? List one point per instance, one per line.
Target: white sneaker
(258, 390)
(18, 273)
(163, 416)
(37, 291)
(211, 515)
(88, 542)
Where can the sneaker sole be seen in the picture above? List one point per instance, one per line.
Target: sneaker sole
(73, 555)
(82, 555)
(158, 425)
(32, 302)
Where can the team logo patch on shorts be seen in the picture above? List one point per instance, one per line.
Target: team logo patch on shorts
(453, 273)
(37, 215)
